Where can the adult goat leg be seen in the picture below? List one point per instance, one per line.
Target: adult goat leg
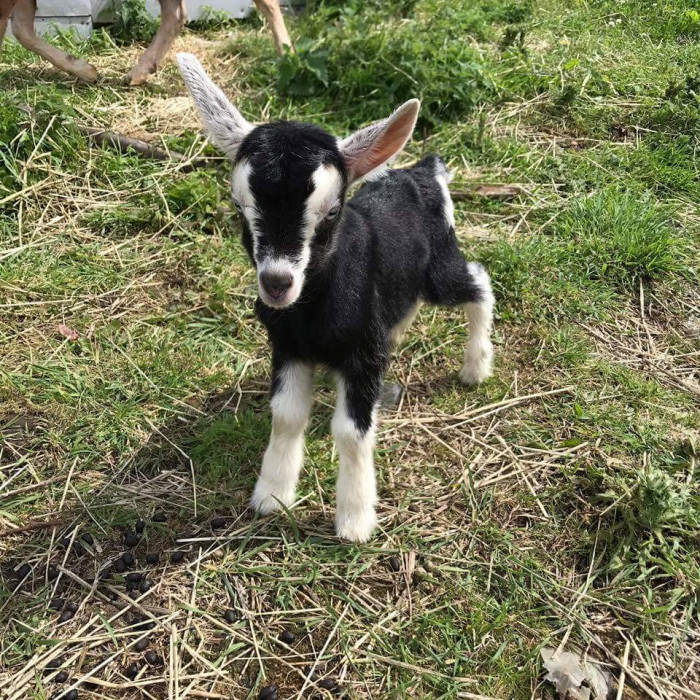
(172, 19)
(23, 29)
(5, 12)
(270, 9)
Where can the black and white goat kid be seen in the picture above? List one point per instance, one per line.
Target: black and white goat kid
(340, 280)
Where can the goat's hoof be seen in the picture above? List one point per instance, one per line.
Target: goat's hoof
(356, 526)
(136, 77)
(477, 365)
(84, 70)
(267, 499)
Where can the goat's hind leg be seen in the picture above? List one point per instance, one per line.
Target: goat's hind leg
(455, 282)
(478, 355)
(23, 29)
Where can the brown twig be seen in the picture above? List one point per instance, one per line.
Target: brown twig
(33, 526)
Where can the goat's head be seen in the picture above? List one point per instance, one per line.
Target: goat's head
(290, 179)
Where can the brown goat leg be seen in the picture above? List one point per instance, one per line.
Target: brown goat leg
(5, 12)
(270, 9)
(23, 29)
(172, 19)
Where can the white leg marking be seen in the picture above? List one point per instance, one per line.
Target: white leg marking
(356, 489)
(398, 331)
(479, 352)
(291, 406)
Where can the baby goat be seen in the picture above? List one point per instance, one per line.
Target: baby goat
(339, 280)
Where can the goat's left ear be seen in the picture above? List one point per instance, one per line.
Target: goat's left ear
(374, 146)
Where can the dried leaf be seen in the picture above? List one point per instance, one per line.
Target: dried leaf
(67, 332)
(574, 678)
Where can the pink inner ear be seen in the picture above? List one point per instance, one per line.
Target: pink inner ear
(386, 145)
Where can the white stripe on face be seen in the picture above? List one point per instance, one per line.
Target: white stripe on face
(243, 196)
(328, 185)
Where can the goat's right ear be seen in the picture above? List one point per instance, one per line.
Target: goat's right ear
(223, 123)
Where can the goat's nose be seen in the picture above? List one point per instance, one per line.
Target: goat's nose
(276, 283)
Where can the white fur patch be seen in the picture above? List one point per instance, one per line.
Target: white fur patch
(479, 351)
(291, 406)
(443, 179)
(328, 184)
(356, 489)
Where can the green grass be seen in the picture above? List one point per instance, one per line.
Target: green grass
(570, 515)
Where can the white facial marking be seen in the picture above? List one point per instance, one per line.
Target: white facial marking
(327, 187)
(284, 456)
(356, 488)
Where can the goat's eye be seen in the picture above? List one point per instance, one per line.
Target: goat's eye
(333, 213)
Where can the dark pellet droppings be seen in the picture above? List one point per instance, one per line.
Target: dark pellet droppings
(230, 615)
(78, 549)
(141, 645)
(132, 671)
(134, 577)
(327, 684)
(87, 537)
(145, 585)
(61, 677)
(57, 604)
(153, 659)
(72, 606)
(64, 542)
(119, 566)
(52, 573)
(65, 616)
(338, 691)
(218, 523)
(53, 664)
(140, 526)
(24, 571)
(71, 695)
(133, 595)
(130, 539)
(288, 637)
(269, 692)
(132, 585)
(128, 559)
(159, 517)
(112, 595)
(176, 557)
(152, 557)
(394, 563)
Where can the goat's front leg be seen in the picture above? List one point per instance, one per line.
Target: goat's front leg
(23, 29)
(292, 396)
(353, 427)
(173, 15)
